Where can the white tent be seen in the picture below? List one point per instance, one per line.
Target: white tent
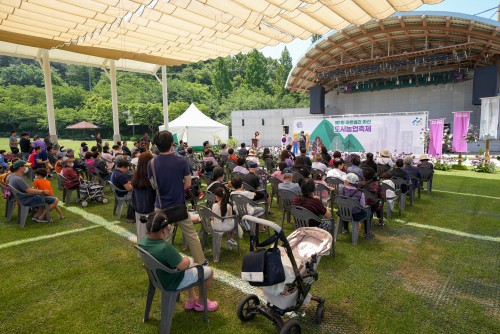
(194, 127)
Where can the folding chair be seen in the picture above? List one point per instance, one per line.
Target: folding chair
(10, 203)
(120, 201)
(427, 175)
(22, 211)
(274, 188)
(397, 192)
(286, 198)
(67, 191)
(206, 216)
(261, 202)
(345, 213)
(168, 298)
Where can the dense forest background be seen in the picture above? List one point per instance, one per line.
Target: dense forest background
(217, 87)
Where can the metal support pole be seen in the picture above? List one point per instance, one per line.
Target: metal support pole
(165, 95)
(114, 101)
(45, 64)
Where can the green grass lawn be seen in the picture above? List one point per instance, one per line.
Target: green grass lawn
(405, 280)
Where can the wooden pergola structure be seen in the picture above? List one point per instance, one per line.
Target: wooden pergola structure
(404, 44)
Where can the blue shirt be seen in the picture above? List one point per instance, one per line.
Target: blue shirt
(119, 179)
(170, 172)
(2, 162)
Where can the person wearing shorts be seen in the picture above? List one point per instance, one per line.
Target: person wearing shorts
(154, 243)
(17, 181)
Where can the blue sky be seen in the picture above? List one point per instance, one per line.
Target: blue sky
(298, 47)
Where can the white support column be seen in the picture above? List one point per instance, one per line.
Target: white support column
(45, 64)
(165, 95)
(114, 102)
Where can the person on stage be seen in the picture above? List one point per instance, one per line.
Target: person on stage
(257, 139)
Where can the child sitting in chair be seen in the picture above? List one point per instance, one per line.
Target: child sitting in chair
(222, 208)
(42, 184)
(168, 255)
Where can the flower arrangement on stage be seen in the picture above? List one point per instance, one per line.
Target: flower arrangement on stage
(444, 163)
(425, 138)
(447, 140)
(481, 165)
(472, 135)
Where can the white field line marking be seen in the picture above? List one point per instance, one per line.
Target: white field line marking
(221, 275)
(450, 231)
(465, 194)
(98, 220)
(43, 237)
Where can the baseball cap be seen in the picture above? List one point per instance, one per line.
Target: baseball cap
(20, 163)
(351, 178)
(252, 164)
(287, 170)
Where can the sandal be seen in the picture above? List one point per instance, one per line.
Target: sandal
(211, 305)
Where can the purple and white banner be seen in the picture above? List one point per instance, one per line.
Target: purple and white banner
(364, 133)
(460, 128)
(436, 127)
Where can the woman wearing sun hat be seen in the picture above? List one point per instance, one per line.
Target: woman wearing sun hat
(424, 163)
(385, 158)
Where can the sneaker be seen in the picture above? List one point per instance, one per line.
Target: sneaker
(231, 242)
(345, 232)
(189, 305)
(381, 222)
(212, 306)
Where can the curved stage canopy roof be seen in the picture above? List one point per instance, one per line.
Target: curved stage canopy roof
(404, 44)
(174, 32)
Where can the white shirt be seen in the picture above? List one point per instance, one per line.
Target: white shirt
(384, 161)
(253, 159)
(248, 194)
(319, 165)
(335, 173)
(222, 225)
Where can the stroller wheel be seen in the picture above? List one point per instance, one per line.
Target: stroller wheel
(248, 307)
(85, 204)
(320, 313)
(291, 327)
(104, 200)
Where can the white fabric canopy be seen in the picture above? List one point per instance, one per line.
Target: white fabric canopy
(194, 127)
(180, 31)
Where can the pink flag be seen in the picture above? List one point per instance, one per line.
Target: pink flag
(436, 127)
(460, 127)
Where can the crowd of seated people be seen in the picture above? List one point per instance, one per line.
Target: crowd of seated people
(180, 165)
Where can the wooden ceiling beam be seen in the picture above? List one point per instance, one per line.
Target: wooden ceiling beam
(445, 32)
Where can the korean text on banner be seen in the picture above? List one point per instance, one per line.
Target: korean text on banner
(489, 117)
(460, 127)
(436, 127)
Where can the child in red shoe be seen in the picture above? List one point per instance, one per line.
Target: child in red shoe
(167, 254)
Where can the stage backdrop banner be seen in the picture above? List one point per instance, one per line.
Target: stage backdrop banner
(460, 127)
(400, 133)
(490, 107)
(436, 127)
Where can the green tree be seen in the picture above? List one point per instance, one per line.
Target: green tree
(149, 114)
(256, 72)
(221, 80)
(315, 37)
(69, 97)
(22, 75)
(286, 61)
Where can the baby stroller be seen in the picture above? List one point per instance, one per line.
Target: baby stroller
(90, 191)
(301, 253)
